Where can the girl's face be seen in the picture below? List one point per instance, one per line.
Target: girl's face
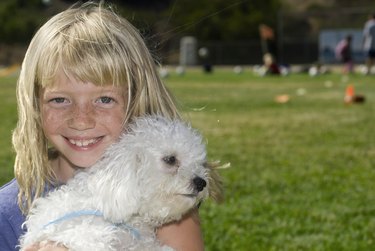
(81, 120)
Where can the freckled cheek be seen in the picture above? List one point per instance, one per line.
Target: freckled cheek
(52, 119)
(113, 121)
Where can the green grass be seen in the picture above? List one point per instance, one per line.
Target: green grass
(303, 173)
(8, 111)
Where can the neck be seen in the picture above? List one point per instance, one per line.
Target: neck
(63, 169)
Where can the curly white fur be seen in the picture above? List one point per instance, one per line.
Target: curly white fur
(154, 175)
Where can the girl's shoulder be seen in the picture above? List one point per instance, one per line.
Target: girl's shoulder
(8, 193)
(11, 185)
(8, 200)
(11, 218)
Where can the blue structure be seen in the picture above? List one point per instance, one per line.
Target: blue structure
(328, 39)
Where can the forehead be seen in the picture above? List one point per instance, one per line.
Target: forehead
(68, 83)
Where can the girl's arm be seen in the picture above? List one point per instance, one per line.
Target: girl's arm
(46, 246)
(184, 235)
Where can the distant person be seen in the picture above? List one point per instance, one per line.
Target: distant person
(269, 49)
(369, 42)
(204, 54)
(271, 66)
(268, 40)
(343, 53)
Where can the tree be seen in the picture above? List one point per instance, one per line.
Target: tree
(20, 19)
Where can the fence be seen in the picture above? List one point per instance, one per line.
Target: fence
(291, 51)
(297, 38)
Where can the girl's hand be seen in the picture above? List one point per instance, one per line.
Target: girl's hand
(46, 246)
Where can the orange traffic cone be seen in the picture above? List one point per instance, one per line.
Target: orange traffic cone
(349, 94)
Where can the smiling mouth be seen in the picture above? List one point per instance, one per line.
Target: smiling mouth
(84, 143)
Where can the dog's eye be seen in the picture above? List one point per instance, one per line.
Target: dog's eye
(170, 160)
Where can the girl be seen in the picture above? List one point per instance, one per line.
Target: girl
(86, 73)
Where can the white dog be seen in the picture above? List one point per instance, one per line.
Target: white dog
(155, 174)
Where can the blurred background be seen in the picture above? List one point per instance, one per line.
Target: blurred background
(301, 31)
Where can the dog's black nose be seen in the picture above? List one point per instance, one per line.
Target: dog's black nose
(199, 183)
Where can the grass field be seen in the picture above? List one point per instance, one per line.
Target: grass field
(303, 172)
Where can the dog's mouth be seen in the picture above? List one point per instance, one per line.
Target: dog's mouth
(189, 195)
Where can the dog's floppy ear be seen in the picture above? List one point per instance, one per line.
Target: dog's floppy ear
(114, 186)
(216, 191)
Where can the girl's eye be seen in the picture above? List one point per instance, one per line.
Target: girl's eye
(58, 100)
(106, 100)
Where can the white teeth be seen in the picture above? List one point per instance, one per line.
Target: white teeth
(83, 143)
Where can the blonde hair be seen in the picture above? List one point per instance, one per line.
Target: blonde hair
(93, 44)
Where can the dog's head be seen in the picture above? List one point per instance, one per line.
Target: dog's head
(156, 171)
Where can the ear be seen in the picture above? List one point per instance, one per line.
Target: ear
(114, 186)
(215, 182)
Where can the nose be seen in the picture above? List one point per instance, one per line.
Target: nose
(82, 117)
(199, 183)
